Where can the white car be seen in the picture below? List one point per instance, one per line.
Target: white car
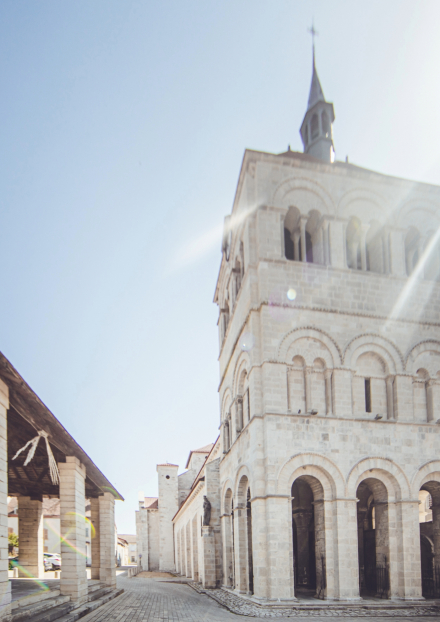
(52, 561)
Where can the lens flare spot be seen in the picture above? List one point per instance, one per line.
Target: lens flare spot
(247, 342)
(291, 294)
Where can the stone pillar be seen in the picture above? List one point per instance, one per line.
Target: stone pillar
(430, 399)
(302, 521)
(260, 547)
(325, 242)
(208, 552)
(342, 392)
(308, 388)
(73, 530)
(240, 548)
(30, 533)
(142, 535)
(397, 253)
(328, 392)
(228, 559)
(95, 535)
(302, 223)
(5, 586)
(390, 397)
(239, 411)
(403, 398)
(337, 244)
(436, 532)
(280, 580)
(364, 231)
(295, 238)
(107, 570)
(347, 542)
(410, 567)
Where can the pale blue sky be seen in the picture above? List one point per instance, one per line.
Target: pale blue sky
(123, 129)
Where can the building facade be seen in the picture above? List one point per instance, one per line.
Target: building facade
(329, 330)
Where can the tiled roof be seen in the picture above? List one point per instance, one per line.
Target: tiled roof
(151, 503)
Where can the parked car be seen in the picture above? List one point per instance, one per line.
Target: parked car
(13, 562)
(52, 561)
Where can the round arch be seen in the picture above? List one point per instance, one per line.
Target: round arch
(361, 201)
(430, 471)
(428, 345)
(313, 333)
(242, 472)
(301, 191)
(243, 362)
(383, 469)
(315, 465)
(370, 342)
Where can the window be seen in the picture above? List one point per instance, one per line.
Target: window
(314, 126)
(325, 124)
(367, 395)
(289, 249)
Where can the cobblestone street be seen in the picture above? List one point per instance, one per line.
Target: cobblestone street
(152, 600)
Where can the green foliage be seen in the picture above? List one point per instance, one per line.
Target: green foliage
(12, 541)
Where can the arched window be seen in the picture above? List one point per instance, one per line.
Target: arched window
(325, 122)
(314, 126)
(431, 269)
(412, 241)
(420, 396)
(292, 234)
(370, 386)
(377, 249)
(297, 392)
(353, 244)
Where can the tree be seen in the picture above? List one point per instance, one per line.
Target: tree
(12, 542)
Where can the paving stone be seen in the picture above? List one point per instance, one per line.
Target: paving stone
(149, 600)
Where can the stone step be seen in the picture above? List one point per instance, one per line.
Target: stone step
(94, 585)
(20, 614)
(96, 594)
(50, 614)
(82, 611)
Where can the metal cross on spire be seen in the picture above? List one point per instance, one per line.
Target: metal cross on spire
(314, 33)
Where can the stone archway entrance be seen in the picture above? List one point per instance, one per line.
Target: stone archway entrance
(429, 519)
(308, 537)
(373, 539)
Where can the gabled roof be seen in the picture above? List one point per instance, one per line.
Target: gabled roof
(203, 450)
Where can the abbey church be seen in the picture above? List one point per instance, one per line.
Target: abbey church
(325, 479)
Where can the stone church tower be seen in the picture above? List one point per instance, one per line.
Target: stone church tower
(329, 329)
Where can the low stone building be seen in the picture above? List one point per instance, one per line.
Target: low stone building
(40, 460)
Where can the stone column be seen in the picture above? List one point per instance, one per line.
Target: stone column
(328, 392)
(397, 253)
(302, 223)
(280, 581)
(239, 412)
(95, 535)
(228, 561)
(107, 570)
(30, 533)
(430, 399)
(436, 532)
(364, 231)
(208, 552)
(325, 242)
(410, 567)
(73, 530)
(5, 586)
(342, 392)
(240, 548)
(347, 543)
(337, 244)
(403, 398)
(260, 547)
(390, 397)
(308, 388)
(302, 521)
(296, 237)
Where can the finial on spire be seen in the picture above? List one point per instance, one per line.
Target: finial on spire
(314, 33)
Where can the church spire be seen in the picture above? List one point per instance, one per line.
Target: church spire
(316, 128)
